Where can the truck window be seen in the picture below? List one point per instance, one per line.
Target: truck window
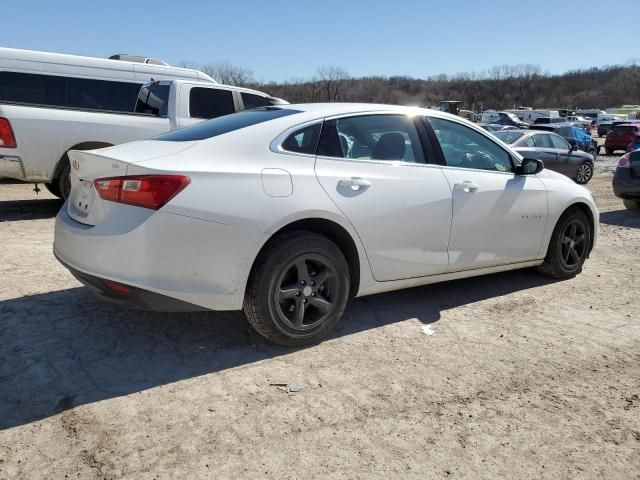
(153, 99)
(251, 101)
(210, 102)
(32, 89)
(101, 94)
(57, 91)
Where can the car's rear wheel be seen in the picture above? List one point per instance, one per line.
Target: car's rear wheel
(609, 151)
(298, 289)
(584, 173)
(64, 179)
(53, 188)
(633, 205)
(569, 245)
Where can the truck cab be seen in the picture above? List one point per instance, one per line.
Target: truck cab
(186, 102)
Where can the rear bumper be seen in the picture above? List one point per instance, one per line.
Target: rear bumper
(625, 185)
(11, 166)
(128, 296)
(194, 261)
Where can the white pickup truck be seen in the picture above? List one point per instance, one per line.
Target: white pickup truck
(35, 139)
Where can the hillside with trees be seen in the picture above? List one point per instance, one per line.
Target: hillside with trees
(500, 87)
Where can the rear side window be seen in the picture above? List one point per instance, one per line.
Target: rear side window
(153, 99)
(33, 89)
(226, 124)
(57, 91)
(251, 101)
(371, 137)
(304, 140)
(210, 102)
(101, 94)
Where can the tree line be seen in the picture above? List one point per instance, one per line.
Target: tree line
(500, 87)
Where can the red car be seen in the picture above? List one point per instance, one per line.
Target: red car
(620, 137)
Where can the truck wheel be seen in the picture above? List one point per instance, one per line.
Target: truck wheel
(298, 289)
(53, 188)
(64, 180)
(633, 205)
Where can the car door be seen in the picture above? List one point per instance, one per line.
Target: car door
(498, 217)
(564, 153)
(373, 168)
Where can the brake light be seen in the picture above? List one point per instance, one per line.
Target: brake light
(624, 160)
(147, 191)
(7, 139)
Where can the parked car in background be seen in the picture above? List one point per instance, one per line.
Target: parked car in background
(550, 120)
(572, 133)
(492, 127)
(503, 118)
(289, 211)
(620, 137)
(554, 151)
(635, 145)
(45, 115)
(626, 180)
(605, 121)
(530, 116)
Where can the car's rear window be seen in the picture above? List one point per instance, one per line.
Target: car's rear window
(625, 129)
(226, 124)
(508, 136)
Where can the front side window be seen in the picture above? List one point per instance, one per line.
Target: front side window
(559, 142)
(466, 148)
(304, 140)
(371, 137)
(210, 102)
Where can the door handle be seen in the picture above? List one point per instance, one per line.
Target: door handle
(466, 186)
(354, 183)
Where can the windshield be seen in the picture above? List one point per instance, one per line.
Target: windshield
(225, 124)
(509, 136)
(513, 117)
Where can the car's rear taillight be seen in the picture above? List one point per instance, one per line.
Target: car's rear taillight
(624, 160)
(147, 191)
(7, 139)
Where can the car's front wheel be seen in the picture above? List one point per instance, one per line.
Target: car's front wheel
(569, 245)
(584, 173)
(298, 289)
(633, 205)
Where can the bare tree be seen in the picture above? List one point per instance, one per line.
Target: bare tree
(332, 80)
(228, 74)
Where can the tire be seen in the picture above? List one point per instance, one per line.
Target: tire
(64, 181)
(53, 188)
(560, 262)
(297, 273)
(609, 151)
(584, 173)
(633, 205)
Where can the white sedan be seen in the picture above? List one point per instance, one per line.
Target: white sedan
(287, 212)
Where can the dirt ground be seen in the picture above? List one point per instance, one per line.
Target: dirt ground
(517, 376)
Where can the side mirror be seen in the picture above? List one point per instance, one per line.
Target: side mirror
(529, 166)
(573, 145)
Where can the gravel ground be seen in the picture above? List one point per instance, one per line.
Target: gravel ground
(506, 376)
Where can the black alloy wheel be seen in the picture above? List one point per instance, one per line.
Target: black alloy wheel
(298, 289)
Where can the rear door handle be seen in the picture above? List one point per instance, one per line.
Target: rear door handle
(466, 186)
(354, 183)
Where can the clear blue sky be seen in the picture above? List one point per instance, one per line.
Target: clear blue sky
(280, 40)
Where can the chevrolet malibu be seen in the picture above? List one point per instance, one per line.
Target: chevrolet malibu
(287, 212)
